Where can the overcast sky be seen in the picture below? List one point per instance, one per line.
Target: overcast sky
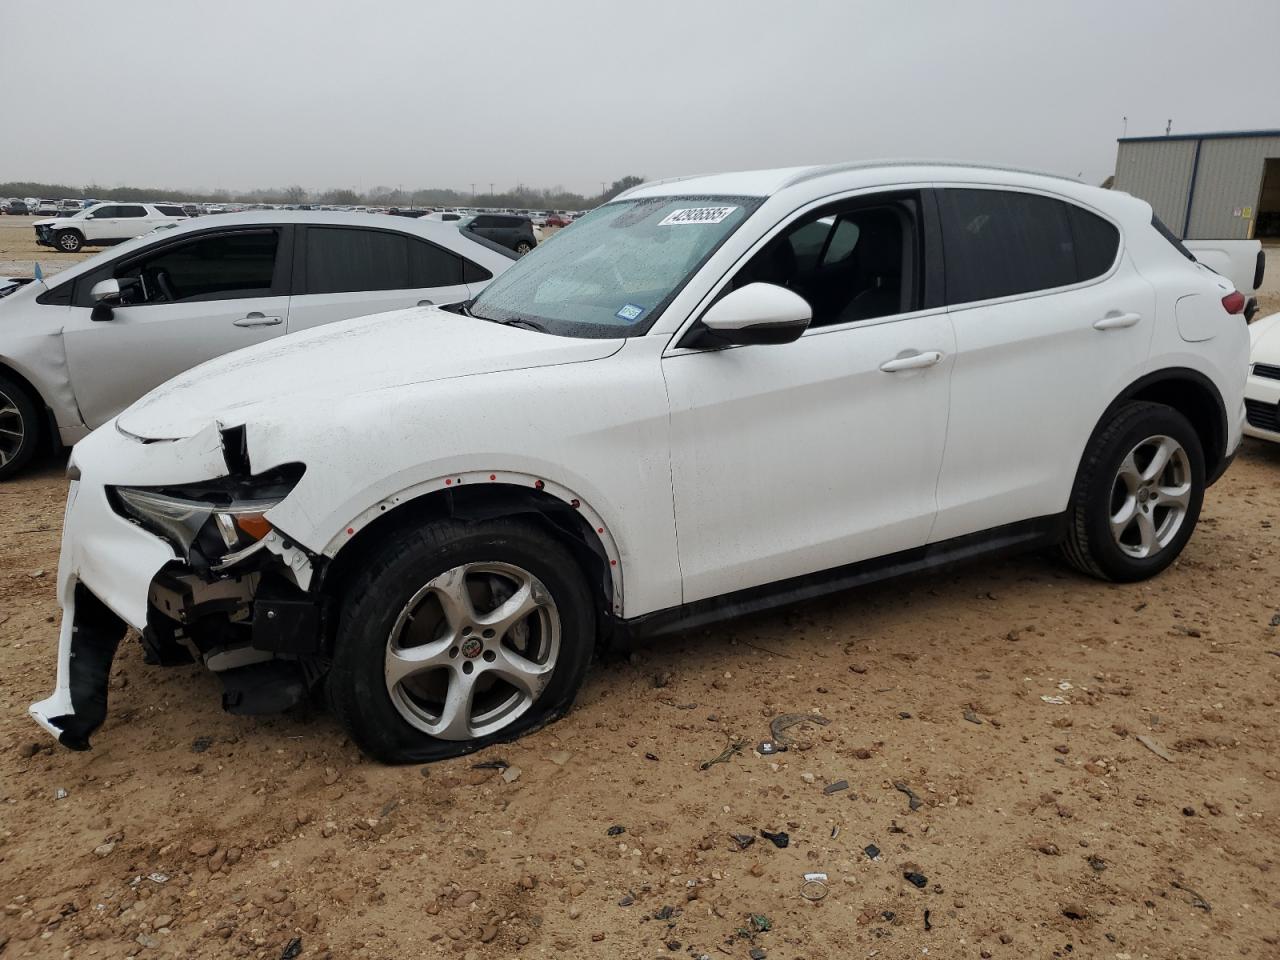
(421, 93)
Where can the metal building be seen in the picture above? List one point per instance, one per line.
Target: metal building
(1206, 186)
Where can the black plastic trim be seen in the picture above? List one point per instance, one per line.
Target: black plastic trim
(1004, 540)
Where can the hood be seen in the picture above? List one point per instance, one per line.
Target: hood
(341, 360)
(1264, 339)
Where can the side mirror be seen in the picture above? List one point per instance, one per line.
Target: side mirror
(108, 289)
(755, 314)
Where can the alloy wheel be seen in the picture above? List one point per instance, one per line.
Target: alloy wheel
(472, 650)
(12, 429)
(1150, 497)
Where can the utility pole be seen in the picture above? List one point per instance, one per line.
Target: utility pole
(1168, 126)
(473, 191)
(491, 189)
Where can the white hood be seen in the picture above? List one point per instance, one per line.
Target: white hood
(344, 359)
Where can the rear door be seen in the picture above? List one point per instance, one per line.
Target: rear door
(1051, 322)
(132, 220)
(186, 301)
(348, 272)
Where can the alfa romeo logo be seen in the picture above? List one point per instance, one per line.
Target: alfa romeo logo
(471, 647)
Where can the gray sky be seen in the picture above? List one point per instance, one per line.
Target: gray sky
(258, 93)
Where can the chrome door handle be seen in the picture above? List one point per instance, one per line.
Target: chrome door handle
(1117, 321)
(914, 361)
(256, 319)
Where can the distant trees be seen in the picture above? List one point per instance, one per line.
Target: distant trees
(520, 197)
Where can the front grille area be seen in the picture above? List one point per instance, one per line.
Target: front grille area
(1263, 416)
(1266, 370)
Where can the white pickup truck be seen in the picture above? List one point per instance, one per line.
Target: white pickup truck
(105, 223)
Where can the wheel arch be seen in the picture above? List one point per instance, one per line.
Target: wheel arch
(484, 495)
(48, 425)
(1193, 395)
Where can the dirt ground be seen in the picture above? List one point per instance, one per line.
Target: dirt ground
(1096, 767)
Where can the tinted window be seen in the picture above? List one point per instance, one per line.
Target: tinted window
(130, 211)
(856, 262)
(483, 221)
(103, 212)
(429, 266)
(474, 273)
(341, 260)
(221, 266)
(170, 211)
(999, 243)
(1095, 242)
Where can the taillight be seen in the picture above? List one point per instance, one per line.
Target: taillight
(1233, 302)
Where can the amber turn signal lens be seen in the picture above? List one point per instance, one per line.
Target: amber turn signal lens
(254, 525)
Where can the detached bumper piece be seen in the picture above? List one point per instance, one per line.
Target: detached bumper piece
(79, 705)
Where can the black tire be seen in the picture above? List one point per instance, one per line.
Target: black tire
(18, 410)
(1090, 545)
(523, 247)
(68, 241)
(392, 575)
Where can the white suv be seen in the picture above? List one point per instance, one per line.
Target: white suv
(709, 397)
(105, 223)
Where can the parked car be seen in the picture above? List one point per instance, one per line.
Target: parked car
(104, 224)
(16, 208)
(45, 208)
(81, 345)
(1262, 390)
(716, 395)
(513, 232)
(1242, 262)
(558, 220)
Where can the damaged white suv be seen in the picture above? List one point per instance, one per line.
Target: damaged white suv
(708, 397)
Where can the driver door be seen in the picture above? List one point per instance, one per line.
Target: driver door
(185, 301)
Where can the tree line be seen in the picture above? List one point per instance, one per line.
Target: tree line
(522, 197)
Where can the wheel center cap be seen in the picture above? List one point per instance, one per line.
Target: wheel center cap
(472, 647)
(1143, 495)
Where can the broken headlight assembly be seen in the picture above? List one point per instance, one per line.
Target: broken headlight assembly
(213, 524)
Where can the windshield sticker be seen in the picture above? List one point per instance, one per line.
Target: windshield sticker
(696, 215)
(630, 312)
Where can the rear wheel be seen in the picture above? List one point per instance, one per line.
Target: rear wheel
(19, 427)
(457, 636)
(523, 247)
(1138, 494)
(69, 241)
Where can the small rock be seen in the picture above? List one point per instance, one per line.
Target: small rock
(757, 954)
(162, 921)
(1049, 849)
(330, 776)
(527, 882)
(146, 940)
(918, 880)
(201, 744)
(28, 750)
(616, 830)
(808, 777)
(104, 849)
(511, 774)
(1075, 911)
(836, 787)
(466, 898)
(203, 847)
(862, 753)
(488, 933)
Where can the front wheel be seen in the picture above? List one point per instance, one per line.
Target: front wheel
(1137, 496)
(69, 241)
(457, 636)
(19, 427)
(523, 247)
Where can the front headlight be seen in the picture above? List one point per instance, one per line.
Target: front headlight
(179, 520)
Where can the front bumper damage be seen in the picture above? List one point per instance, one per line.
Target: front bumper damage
(257, 623)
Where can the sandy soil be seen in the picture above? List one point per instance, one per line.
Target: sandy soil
(1135, 818)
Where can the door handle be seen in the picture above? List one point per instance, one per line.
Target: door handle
(256, 319)
(425, 303)
(1117, 321)
(914, 361)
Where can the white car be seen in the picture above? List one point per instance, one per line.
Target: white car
(1262, 391)
(709, 397)
(78, 347)
(105, 224)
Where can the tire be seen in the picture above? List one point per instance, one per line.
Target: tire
(19, 427)
(406, 591)
(523, 247)
(1129, 517)
(68, 241)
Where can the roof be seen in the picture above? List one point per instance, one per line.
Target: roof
(1220, 135)
(763, 183)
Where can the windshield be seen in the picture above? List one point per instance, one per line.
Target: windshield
(615, 270)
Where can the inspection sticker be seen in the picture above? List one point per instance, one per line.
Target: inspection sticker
(630, 312)
(696, 215)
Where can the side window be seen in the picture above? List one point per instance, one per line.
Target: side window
(223, 266)
(855, 261)
(430, 266)
(998, 243)
(170, 211)
(483, 221)
(130, 211)
(474, 273)
(1095, 242)
(347, 260)
(102, 213)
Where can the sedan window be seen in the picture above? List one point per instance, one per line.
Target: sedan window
(128, 211)
(222, 266)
